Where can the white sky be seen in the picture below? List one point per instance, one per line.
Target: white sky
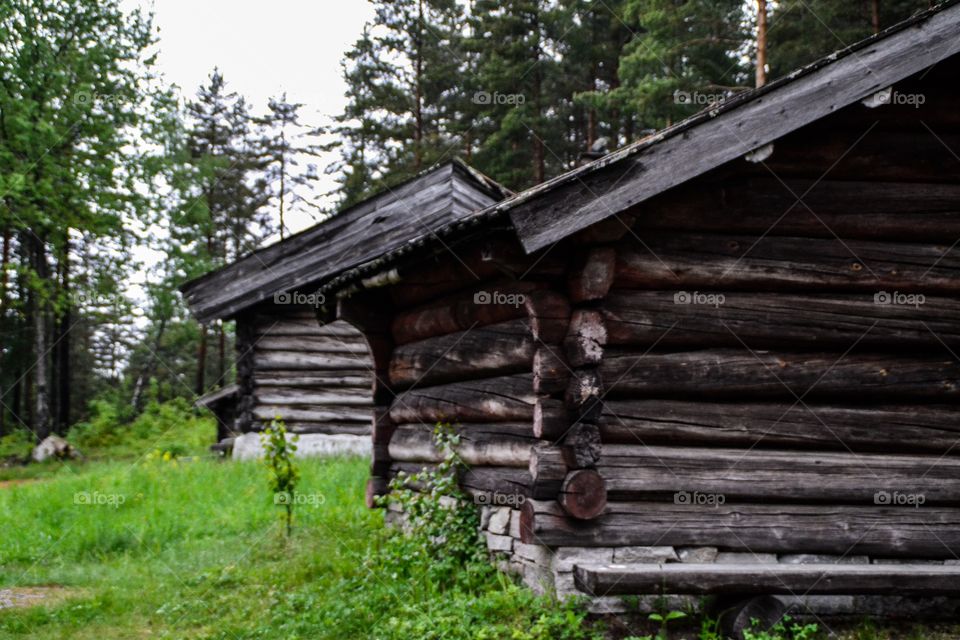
(263, 48)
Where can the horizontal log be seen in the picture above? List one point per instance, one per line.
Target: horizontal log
(310, 397)
(480, 306)
(901, 429)
(680, 260)
(281, 325)
(898, 211)
(745, 374)
(318, 414)
(702, 319)
(477, 480)
(331, 428)
(638, 472)
(501, 399)
(497, 349)
(477, 447)
(355, 378)
(768, 579)
(896, 532)
(299, 361)
(321, 345)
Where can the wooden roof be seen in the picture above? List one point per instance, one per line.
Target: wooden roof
(377, 225)
(549, 212)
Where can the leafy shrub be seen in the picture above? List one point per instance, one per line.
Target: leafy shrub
(16, 446)
(279, 450)
(785, 629)
(441, 533)
(173, 426)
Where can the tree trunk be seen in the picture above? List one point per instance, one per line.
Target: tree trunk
(41, 407)
(63, 370)
(201, 361)
(761, 42)
(875, 15)
(221, 353)
(418, 104)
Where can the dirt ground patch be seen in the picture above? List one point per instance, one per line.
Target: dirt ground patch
(12, 483)
(19, 597)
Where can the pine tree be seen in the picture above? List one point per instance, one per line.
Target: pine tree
(802, 31)
(286, 142)
(403, 77)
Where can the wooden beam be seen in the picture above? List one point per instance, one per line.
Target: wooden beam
(875, 428)
(893, 532)
(726, 373)
(766, 579)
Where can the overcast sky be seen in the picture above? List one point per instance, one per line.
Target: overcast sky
(262, 48)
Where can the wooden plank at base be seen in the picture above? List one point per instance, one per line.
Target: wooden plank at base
(768, 579)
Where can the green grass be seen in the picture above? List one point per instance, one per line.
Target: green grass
(197, 550)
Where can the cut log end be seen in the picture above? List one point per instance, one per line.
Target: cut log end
(583, 494)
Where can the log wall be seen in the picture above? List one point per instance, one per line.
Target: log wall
(318, 379)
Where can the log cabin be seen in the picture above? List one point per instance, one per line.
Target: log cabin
(722, 360)
(317, 378)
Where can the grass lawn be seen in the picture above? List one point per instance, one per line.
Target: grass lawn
(197, 550)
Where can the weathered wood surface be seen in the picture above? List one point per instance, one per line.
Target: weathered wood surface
(764, 579)
(477, 446)
(495, 257)
(303, 361)
(583, 494)
(353, 237)
(586, 337)
(321, 413)
(882, 155)
(879, 210)
(551, 419)
(477, 480)
(497, 349)
(550, 371)
(500, 399)
(638, 472)
(583, 442)
(282, 323)
(330, 428)
(592, 274)
(320, 345)
(584, 395)
(772, 319)
(727, 132)
(293, 397)
(681, 260)
(549, 315)
(459, 312)
(877, 428)
(929, 532)
(744, 374)
(358, 379)
(548, 467)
